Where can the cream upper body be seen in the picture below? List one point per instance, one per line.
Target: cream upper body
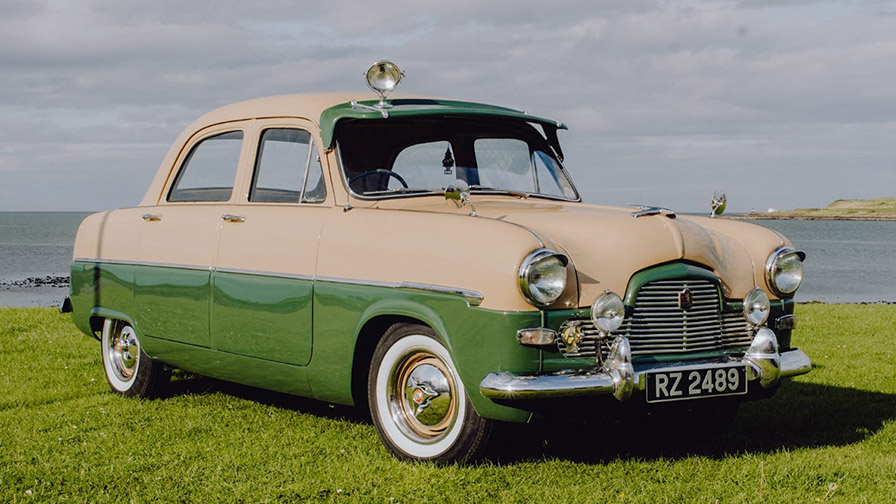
(414, 239)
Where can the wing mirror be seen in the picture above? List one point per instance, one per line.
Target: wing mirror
(718, 202)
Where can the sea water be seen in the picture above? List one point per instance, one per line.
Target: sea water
(34, 246)
(847, 261)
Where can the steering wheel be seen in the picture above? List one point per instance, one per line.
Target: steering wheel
(378, 171)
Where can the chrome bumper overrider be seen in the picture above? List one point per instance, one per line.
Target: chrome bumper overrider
(765, 364)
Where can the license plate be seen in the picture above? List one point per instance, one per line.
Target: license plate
(679, 385)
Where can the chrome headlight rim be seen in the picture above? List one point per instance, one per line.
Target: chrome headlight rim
(770, 267)
(529, 262)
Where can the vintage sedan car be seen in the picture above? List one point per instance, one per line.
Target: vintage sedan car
(429, 259)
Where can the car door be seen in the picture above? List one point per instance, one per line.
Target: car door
(263, 279)
(179, 239)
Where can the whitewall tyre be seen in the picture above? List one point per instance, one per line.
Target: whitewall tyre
(418, 403)
(129, 371)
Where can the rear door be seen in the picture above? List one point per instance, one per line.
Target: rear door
(179, 238)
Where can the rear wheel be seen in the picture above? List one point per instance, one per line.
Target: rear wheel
(129, 371)
(417, 401)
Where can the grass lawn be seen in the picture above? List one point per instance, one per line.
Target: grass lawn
(829, 436)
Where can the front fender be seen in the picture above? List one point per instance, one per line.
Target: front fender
(480, 341)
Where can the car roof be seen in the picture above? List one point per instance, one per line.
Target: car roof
(327, 109)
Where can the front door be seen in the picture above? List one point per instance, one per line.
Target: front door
(263, 279)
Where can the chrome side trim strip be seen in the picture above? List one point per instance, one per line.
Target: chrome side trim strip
(265, 273)
(139, 263)
(354, 281)
(104, 261)
(472, 297)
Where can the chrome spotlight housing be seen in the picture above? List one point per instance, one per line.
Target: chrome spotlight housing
(383, 77)
(756, 307)
(542, 277)
(784, 270)
(607, 312)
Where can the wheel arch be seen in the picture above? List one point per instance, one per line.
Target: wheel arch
(373, 324)
(99, 314)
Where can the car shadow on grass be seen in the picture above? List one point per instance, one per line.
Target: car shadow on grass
(186, 384)
(800, 415)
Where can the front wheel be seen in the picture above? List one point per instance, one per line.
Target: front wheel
(129, 371)
(418, 402)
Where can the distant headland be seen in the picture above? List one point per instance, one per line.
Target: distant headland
(878, 209)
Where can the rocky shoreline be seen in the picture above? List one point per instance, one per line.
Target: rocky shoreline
(30, 282)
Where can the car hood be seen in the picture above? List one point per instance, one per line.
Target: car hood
(607, 245)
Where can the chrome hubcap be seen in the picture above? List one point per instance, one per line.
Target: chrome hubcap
(124, 353)
(423, 397)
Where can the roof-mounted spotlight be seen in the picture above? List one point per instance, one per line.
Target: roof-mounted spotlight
(383, 77)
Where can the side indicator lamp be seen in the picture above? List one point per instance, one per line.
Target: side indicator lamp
(536, 336)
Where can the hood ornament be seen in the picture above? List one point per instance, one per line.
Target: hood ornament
(644, 210)
(718, 202)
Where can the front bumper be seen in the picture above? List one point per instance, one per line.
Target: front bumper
(765, 365)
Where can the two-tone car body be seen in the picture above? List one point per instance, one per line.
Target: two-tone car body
(430, 258)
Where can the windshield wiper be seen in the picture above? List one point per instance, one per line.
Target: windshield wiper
(522, 195)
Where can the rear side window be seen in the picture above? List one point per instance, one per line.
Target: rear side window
(287, 168)
(209, 170)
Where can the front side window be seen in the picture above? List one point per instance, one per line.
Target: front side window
(287, 168)
(422, 155)
(208, 172)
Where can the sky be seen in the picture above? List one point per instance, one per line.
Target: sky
(783, 104)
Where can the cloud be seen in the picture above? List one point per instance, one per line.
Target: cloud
(684, 93)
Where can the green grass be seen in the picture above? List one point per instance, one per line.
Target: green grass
(65, 438)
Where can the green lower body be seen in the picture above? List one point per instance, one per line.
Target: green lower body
(302, 337)
(257, 330)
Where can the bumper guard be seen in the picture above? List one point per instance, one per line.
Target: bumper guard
(617, 376)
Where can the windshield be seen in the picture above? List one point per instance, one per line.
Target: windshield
(420, 155)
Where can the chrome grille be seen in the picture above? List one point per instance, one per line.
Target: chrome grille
(657, 325)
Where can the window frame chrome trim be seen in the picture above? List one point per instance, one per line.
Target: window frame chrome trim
(312, 146)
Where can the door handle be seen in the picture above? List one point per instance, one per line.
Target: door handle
(151, 217)
(233, 218)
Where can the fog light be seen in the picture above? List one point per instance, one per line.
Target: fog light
(607, 312)
(536, 336)
(756, 307)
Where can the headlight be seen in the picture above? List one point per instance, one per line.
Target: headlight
(543, 277)
(756, 307)
(784, 270)
(607, 312)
